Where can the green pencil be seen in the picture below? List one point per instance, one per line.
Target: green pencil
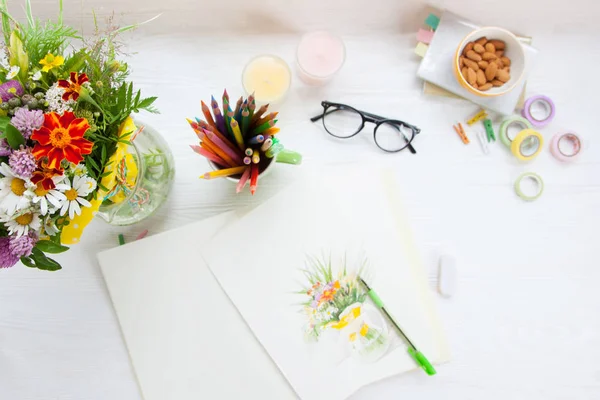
(419, 358)
(264, 127)
(245, 121)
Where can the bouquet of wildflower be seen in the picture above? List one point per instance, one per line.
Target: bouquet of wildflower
(64, 121)
(335, 303)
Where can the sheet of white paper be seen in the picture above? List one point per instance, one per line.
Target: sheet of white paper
(185, 338)
(258, 261)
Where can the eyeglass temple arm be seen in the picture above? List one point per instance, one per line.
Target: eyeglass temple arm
(318, 117)
(410, 146)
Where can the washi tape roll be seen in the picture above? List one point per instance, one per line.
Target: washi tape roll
(527, 145)
(565, 146)
(512, 121)
(539, 183)
(544, 101)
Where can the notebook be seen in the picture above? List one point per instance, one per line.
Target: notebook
(187, 339)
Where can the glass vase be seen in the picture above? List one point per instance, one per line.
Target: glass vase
(144, 179)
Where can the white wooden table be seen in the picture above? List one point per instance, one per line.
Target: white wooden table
(525, 323)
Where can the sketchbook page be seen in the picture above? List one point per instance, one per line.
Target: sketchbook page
(185, 338)
(290, 267)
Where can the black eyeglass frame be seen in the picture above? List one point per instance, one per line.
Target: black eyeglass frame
(372, 118)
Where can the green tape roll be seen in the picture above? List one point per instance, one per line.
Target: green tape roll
(515, 119)
(536, 178)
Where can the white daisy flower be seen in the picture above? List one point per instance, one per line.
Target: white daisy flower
(20, 224)
(14, 70)
(79, 169)
(37, 76)
(50, 228)
(75, 192)
(86, 182)
(14, 191)
(49, 200)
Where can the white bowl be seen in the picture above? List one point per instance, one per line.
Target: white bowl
(514, 51)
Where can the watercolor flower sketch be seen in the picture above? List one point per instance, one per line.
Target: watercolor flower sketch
(337, 314)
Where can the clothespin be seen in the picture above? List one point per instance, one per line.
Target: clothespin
(489, 130)
(461, 133)
(477, 117)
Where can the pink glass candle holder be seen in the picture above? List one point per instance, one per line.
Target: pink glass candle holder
(319, 57)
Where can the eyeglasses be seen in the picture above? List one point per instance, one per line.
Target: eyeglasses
(344, 122)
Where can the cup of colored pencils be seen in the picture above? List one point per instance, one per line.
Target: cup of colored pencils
(239, 140)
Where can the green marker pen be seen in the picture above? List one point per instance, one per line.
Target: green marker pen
(419, 358)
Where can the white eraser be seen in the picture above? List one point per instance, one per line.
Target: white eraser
(447, 276)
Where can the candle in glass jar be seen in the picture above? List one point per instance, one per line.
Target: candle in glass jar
(320, 55)
(268, 77)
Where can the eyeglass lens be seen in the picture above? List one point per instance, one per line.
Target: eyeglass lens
(393, 137)
(342, 122)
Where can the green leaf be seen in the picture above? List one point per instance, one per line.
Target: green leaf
(30, 19)
(48, 246)
(148, 101)
(28, 262)
(3, 122)
(18, 55)
(13, 136)
(42, 262)
(93, 163)
(103, 155)
(6, 21)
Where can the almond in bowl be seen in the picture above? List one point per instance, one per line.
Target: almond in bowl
(489, 62)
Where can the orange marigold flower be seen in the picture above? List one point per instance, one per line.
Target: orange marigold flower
(61, 137)
(73, 85)
(43, 175)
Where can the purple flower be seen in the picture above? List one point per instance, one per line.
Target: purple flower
(7, 258)
(27, 121)
(22, 246)
(5, 149)
(22, 162)
(10, 89)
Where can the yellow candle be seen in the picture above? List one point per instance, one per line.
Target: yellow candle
(268, 77)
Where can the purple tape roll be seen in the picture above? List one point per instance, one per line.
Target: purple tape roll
(549, 104)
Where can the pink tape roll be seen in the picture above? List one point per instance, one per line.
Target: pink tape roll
(563, 154)
(538, 123)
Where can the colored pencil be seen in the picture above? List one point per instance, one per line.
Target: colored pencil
(249, 152)
(266, 118)
(210, 146)
(253, 178)
(256, 157)
(266, 145)
(218, 142)
(214, 130)
(121, 239)
(264, 127)
(237, 134)
(243, 180)
(207, 115)
(223, 172)
(272, 131)
(238, 108)
(258, 114)
(251, 104)
(225, 100)
(211, 156)
(228, 120)
(256, 139)
(245, 121)
(247, 160)
(219, 120)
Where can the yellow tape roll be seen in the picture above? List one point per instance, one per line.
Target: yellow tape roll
(527, 145)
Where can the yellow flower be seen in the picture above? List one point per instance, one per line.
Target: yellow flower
(51, 61)
(364, 329)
